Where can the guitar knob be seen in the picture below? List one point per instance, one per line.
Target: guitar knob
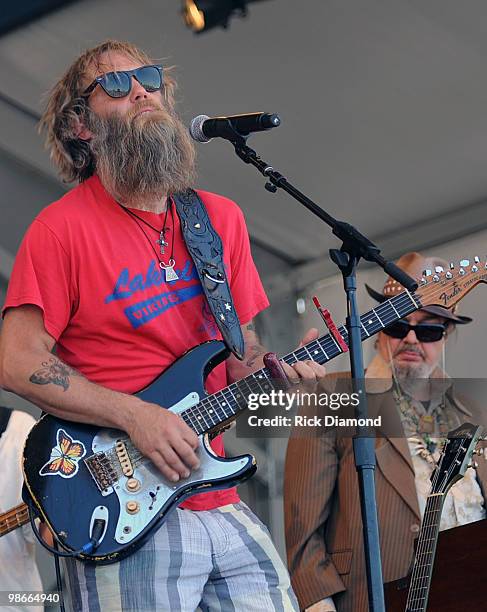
(133, 485)
(132, 507)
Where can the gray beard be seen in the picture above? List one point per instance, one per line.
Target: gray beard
(411, 372)
(410, 376)
(407, 373)
(144, 157)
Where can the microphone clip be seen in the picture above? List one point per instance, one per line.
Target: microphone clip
(229, 132)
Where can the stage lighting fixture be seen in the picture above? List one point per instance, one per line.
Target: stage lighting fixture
(202, 15)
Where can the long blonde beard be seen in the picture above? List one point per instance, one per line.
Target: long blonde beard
(142, 158)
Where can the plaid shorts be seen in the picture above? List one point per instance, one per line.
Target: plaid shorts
(220, 560)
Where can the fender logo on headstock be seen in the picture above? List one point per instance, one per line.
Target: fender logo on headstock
(446, 297)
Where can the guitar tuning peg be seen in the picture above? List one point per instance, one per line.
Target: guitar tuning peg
(439, 269)
(427, 272)
(474, 465)
(476, 259)
(452, 265)
(448, 275)
(464, 263)
(478, 451)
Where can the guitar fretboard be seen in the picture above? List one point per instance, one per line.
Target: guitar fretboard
(222, 407)
(14, 518)
(425, 555)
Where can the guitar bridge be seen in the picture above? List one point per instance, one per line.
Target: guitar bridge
(102, 472)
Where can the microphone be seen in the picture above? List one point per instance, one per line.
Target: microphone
(204, 128)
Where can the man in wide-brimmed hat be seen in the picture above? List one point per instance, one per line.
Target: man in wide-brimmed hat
(404, 349)
(405, 383)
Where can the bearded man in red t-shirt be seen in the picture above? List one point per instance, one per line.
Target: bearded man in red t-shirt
(104, 296)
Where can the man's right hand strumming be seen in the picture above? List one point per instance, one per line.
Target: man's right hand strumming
(165, 439)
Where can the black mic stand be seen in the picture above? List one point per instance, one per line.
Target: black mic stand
(354, 247)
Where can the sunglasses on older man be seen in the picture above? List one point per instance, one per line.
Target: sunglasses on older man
(118, 84)
(425, 332)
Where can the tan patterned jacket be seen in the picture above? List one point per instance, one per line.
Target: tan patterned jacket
(322, 509)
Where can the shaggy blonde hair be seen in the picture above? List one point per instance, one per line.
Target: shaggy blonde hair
(66, 107)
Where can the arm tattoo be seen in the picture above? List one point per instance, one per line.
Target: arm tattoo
(53, 371)
(256, 351)
(251, 327)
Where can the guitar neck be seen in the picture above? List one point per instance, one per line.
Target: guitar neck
(425, 555)
(14, 518)
(224, 406)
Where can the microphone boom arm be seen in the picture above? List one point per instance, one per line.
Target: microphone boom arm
(352, 239)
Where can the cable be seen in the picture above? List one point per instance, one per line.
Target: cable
(59, 581)
(98, 528)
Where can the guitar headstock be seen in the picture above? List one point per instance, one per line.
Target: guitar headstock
(455, 457)
(446, 287)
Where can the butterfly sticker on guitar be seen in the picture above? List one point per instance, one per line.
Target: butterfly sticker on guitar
(64, 457)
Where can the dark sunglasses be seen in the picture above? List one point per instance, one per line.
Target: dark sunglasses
(118, 84)
(425, 332)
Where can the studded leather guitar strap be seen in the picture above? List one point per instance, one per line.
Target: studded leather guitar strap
(206, 250)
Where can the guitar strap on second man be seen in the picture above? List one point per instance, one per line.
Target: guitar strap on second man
(206, 250)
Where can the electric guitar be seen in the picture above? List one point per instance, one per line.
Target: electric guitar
(454, 461)
(85, 480)
(13, 518)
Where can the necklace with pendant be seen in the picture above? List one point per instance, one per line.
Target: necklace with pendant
(169, 272)
(422, 426)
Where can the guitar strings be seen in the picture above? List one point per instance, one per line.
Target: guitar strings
(420, 572)
(385, 316)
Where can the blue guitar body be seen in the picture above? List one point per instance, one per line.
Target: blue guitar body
(77, 473)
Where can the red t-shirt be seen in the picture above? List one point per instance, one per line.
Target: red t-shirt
(89, 267)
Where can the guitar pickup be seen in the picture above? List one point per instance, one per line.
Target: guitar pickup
(124, 459)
